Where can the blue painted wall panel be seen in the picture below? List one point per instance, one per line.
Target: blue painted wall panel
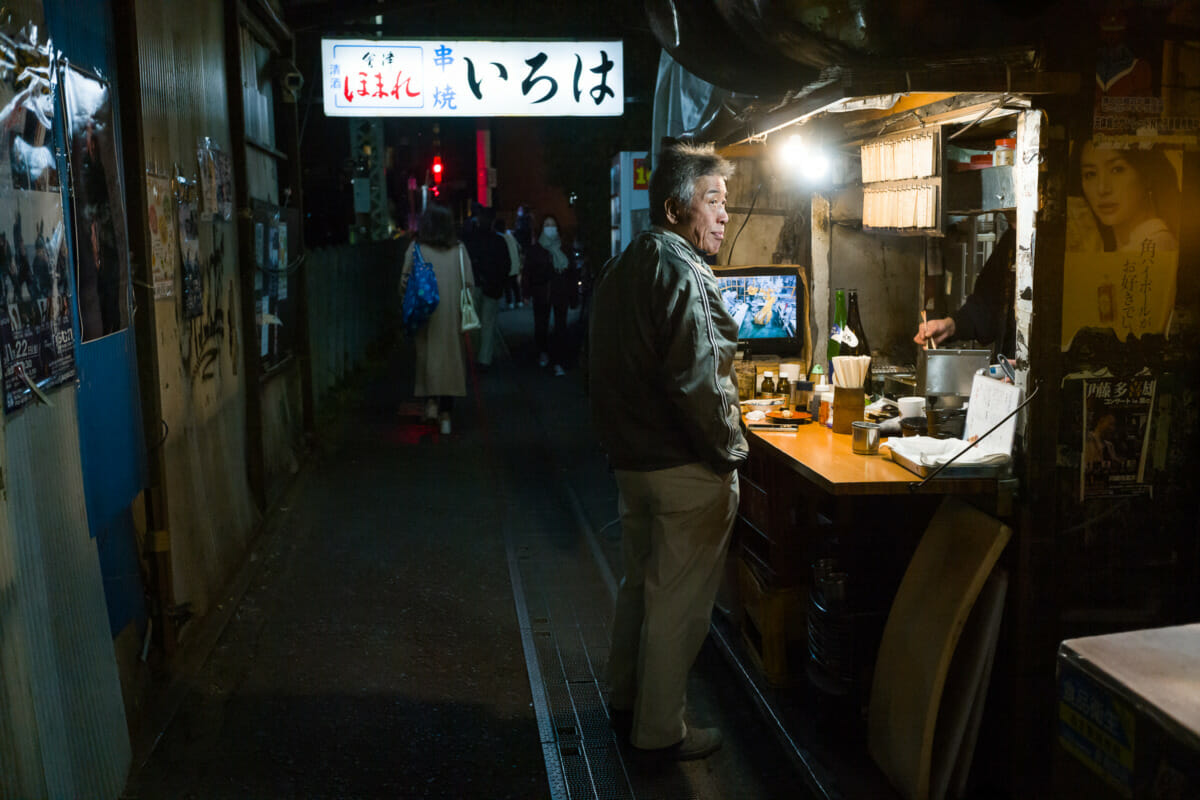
(112, 450)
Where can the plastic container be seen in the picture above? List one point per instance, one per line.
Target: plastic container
(822, 399)
(911, 407)
(1005, 153)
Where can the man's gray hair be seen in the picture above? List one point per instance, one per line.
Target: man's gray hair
(676, 171)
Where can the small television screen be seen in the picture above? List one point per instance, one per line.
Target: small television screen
(763, 302)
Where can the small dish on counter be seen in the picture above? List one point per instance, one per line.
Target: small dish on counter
(788, 417)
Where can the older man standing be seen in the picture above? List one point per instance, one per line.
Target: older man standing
(665, 407)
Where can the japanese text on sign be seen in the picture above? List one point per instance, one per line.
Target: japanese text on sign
(449, 78)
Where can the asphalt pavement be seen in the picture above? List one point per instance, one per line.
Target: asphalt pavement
(373, 645)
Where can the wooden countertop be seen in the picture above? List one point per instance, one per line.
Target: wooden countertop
(826, 459)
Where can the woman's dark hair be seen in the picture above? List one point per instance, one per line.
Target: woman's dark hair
(1155, 171)
(436, 227)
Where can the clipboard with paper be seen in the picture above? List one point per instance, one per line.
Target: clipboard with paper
(974, 456)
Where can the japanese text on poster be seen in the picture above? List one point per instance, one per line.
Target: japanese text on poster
(448, 78)
(1115, 436)
(189, 251)
(216, 183)
(37, 343)
(160, 202)
(1123, 217)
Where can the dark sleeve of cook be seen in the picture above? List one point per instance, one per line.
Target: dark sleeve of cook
(986, 316)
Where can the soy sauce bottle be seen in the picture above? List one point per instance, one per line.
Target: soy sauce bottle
(768, 384)
(784, 389)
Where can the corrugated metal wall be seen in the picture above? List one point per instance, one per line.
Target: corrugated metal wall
(181, 54)
(282, 408)
(62, 721)
(352, 300)
(63, 694)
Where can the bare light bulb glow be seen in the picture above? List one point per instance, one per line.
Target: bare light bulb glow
(803, 159)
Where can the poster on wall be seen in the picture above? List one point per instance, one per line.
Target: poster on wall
(224, 185)
(160, 208)
(1123, 213)
(37, 344)
(1147, 92)
(189, 249)
(1123, 205)
(1116, 435)
(101, 250)
(216, 183)
(280, 233)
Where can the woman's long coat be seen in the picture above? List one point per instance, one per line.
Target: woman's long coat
(441, 369)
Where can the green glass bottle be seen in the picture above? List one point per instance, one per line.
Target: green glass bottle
(834, 346)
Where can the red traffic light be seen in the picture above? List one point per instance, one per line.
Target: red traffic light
(437, 169)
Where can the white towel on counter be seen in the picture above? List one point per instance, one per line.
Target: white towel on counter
(930, 452)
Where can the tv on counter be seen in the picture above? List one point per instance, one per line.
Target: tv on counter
(766, 302)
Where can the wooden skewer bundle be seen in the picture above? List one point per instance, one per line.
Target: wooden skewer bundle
(851, 371)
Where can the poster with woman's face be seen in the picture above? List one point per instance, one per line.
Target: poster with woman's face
(102, 272)
(1123, 213)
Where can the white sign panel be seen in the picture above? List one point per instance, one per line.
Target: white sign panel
(467, 78)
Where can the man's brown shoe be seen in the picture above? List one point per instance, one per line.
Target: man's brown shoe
(696, 744)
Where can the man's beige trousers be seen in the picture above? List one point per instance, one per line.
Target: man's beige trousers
(675, 528)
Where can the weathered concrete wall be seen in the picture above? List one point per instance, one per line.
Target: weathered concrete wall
(768, 218)
(202, 390)
(886, 271)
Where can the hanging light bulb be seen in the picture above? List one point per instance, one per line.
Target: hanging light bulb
(804, 159)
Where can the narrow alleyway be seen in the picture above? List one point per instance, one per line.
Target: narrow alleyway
(414, 589)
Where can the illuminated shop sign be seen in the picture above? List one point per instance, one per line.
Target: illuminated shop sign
(467, 78)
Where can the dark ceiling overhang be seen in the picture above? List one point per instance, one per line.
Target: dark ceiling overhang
(787, 60)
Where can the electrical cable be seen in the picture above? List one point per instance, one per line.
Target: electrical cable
(914, 486)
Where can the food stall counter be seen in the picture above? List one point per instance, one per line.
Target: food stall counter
(827, 459)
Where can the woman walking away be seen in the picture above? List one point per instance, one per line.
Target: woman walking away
(546, 276)
(440, 366)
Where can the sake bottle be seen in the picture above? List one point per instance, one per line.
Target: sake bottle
(854, 338)
(834, 347)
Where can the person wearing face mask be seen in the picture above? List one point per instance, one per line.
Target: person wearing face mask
(547, 285)
(664, 403)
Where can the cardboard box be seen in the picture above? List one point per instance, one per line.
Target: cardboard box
(1129, 710)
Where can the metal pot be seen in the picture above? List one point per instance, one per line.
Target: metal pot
(948, 374)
